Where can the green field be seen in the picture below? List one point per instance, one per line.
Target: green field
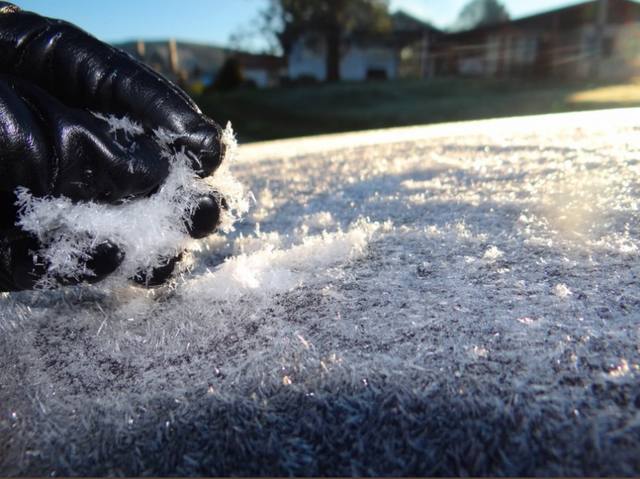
(325, 108)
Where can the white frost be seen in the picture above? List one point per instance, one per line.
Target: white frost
(267, 269)
(562, 291)
(479, 263)
(148, 230)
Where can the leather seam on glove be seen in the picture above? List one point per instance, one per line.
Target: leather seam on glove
(106, 76)
(23, 47)
(51, 140)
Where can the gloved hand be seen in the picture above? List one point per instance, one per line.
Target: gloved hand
(53, 78)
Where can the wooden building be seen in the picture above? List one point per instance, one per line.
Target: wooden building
(599, 38)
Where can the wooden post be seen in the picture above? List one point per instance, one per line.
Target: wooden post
(599, 30)
(173, 56)
(140, 48)
(424, 56)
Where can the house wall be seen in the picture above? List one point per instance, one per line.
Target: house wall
(574, 52)
(620, 57)
(357, 62)
(521, 53)
(416, 60)
(625, 62)
(259, 77)
(570, 53)
(510, 53)
(494, 49)
(472, 65)
(308, 59)
(264, 77)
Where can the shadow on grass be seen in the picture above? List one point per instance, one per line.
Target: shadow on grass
(289, 432)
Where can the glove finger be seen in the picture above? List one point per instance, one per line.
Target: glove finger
(104, 260)
(25, 155)
(206, 216)
(204, 220)
(8, 213)
(157, 276)
(205, 143)
(23, 266)
(83, 72)
(53, 149)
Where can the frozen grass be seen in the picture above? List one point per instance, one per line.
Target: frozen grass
(462, 301)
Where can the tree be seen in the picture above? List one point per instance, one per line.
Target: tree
(229, 77)
(332, 20)
(480, 13)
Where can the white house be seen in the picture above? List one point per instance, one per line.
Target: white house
(263, 70)
(362, 56)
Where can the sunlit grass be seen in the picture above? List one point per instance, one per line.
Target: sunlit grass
(628, 93)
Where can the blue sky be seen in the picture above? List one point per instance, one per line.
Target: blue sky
(213, 21)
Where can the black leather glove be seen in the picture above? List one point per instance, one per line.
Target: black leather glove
(53, 78)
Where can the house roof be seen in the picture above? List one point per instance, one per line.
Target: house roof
(404, 22)
(566, 18)
(261, 61)
(405, 28)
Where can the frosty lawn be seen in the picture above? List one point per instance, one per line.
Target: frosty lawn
(454, 299)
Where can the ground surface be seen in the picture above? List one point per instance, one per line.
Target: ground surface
(348, 106)
(459, 299)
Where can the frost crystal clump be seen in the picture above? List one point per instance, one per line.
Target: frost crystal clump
(147, 230)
